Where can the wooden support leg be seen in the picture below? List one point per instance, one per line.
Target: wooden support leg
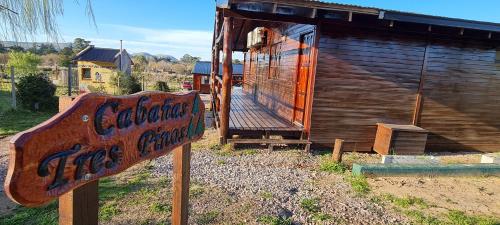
(182, 158)
(80, 206)
(338, 150)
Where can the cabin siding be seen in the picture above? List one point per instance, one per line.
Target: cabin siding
(462, 96)
(362, 79)
(275, 93)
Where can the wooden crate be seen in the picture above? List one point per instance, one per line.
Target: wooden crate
(393, 139)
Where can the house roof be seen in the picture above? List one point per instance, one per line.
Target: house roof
(205, 67)
(95, 54)
(327, 10)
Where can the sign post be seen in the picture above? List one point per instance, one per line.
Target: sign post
(99, 136)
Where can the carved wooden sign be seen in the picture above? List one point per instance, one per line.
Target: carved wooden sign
(98, 136)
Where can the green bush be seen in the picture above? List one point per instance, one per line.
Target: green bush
(162, 86)
(36, 92)
(127, 84)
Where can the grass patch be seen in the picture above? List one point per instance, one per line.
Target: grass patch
(220, 162)
(42, 215)
(108, 210)
(421, 218)
(207, 218)
(406, 201)
(274, 220)
(161, 207)
(321, 217)
(310, 205)
(359, 184)
(460, 218)
(266, 195)
(15, 121)
(328, 165)
(196, 190)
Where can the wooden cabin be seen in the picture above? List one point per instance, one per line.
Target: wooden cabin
(97, 66)
(315, 72)
(201, 76)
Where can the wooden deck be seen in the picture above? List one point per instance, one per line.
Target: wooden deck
(250, 118)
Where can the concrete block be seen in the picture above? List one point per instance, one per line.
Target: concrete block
(409, 159)
(490, 158)
(426, 169)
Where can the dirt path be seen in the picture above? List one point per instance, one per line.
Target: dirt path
(6, 205)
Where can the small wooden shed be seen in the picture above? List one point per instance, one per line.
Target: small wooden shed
(334, 71)
(201, 75)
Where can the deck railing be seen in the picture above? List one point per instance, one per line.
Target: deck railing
(216, 99)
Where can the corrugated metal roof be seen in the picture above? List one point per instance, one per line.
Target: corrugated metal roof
(204, 68)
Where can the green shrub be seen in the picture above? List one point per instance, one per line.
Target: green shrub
(127, 84)
(36, 92)
(162, 86)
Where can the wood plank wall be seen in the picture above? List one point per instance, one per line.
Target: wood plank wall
(275, 93)
(462, 96)
(364, 78)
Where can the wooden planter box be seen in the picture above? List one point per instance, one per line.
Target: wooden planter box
(392, 139)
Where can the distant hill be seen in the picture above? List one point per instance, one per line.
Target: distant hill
(149, 56)
(26, 45)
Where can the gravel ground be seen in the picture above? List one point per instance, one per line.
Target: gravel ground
(290, 177)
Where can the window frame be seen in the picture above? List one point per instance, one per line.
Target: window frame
(89, 74)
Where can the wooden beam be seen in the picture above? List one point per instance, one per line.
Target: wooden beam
(181, 173)
(350, 16)
(420, 95)
(227, 71)
(80, 206)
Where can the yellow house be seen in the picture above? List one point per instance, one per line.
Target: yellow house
(97, 67)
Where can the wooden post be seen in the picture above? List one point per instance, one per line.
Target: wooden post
(181, 158)
(13, 88)
(338, 150)
(227, 71)
(79, 206)
(69, 79)
(215, 62)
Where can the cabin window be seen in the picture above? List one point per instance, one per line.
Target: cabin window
(275, 61)
(86, 73)
(205, 80)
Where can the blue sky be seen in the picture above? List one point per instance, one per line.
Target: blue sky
(177, 27)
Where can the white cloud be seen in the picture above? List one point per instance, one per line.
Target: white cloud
(161, 41)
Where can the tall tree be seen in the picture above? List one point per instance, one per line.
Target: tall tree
(188, 59)
(20, 19)
(24, 63)
(79, 44)
(65, 56)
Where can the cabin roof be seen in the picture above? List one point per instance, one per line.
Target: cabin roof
(321, 9)
(204, 68)
(95, 54)
(311, 11)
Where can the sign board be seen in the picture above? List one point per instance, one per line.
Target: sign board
(98, 136)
